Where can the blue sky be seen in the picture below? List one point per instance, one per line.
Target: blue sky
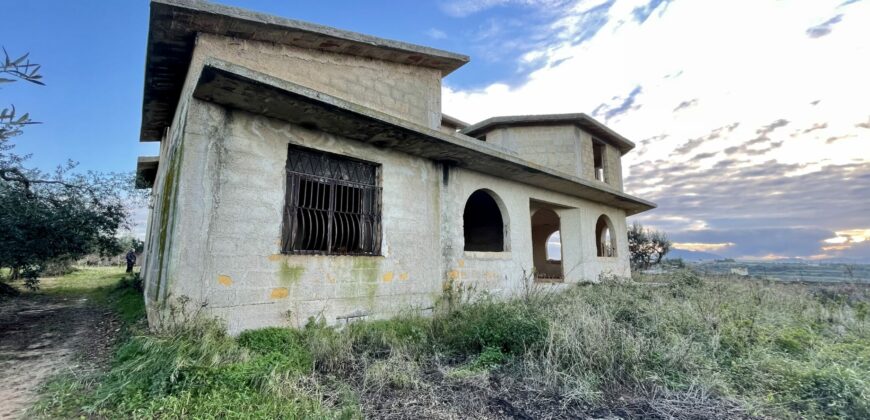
(93, 57)
(752, 118)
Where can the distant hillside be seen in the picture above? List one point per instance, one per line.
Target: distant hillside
(687, 255)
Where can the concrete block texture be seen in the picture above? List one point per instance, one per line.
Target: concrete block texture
(404, 91)
(214, 233)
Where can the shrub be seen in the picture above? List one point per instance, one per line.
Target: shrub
(489, 358)
(795, 341)
(280, 349)
(510, 326)
(383, 337)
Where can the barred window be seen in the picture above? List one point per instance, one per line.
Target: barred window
(332, 205)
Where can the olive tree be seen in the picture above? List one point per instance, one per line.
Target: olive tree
(647, 247)
(50, 216)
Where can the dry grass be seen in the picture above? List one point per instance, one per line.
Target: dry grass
(663, 347)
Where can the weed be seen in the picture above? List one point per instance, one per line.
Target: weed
(675, 344)
(509, 326)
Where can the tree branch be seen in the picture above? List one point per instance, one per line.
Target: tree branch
(19, 177)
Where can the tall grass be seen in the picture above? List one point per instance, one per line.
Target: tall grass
(677, 343)
(778, 349)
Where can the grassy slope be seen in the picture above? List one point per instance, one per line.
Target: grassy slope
(690, 347)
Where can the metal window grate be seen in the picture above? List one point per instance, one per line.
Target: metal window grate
(332, 205)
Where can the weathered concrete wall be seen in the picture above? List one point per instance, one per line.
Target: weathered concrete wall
(158, 261)
(447, 129)
(612, 161)
(613, 166)
(225, 245)
(231, 196)
(554, 146)
(409, 92)
(504, 273)
(565, 148)
(215, 228)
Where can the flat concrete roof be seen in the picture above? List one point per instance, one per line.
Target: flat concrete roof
(238, 87)
(585, 122)
(174, 24)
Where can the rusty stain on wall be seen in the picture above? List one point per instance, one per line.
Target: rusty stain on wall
(225, 280)
(279, 293)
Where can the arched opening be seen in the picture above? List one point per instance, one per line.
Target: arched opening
(554, 247)
(605, 238)
(482, 223)
(546, 244)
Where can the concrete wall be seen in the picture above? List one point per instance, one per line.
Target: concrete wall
(554, 146)
(227, 243)
(504, 273)
(409, 92)
(565, 148)
(612, 161)
(214, 232)
(223, 245)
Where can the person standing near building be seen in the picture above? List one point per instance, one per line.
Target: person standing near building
(131, 260)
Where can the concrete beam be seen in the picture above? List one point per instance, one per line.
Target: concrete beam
(146, 171)
(238, 87)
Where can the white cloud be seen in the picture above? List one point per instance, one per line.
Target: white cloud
(464, 8)
(702, 66)
(761, 70)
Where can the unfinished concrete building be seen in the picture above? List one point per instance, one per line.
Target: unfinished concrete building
(306, 172)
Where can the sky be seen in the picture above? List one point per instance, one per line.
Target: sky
(751, 117)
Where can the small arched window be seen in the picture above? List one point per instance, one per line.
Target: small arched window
(605, 238)
(482, 223)
(554, 247)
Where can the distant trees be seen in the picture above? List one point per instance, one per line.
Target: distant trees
(646, 247)
(48, 217)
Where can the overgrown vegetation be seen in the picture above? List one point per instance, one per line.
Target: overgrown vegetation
(693, 347)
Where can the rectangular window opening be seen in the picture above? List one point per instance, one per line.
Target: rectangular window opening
(332, 205)
(598, 159)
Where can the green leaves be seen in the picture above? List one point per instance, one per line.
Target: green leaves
(20, 68)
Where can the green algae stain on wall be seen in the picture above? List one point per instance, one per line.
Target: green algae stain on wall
(167, 209)
(366, 273)
(290, 274)
(365, 270)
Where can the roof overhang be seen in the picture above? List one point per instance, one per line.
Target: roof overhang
(238, 87)
(453, 122)
(585, 122)
(146, 171)
(172, 32)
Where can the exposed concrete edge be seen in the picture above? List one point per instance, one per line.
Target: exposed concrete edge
(238, 87)
(146, 171)
(581, 120)
(446, 61)
(174, 25)
(456, 122)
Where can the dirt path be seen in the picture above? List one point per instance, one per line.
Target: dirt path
(41, 335)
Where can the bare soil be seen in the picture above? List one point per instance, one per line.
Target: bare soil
(43, 335)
